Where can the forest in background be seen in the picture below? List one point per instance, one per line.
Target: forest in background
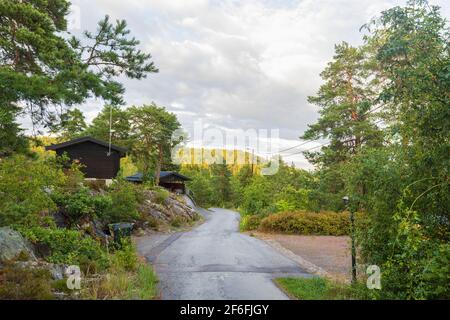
(384, 110)
(383, 106)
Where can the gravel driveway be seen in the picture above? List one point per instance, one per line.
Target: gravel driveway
(332, 254)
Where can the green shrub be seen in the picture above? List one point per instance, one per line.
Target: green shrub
(258, 196)
(161, 195)
(82, 204)
(18, 283)
(306, 223)
(126, 198)
(69, 247)
(25, 187)
(126, 257)
(251, 222)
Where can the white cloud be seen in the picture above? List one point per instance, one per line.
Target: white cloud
(237, 64)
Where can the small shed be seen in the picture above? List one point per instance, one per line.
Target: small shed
(99, 159)
(171, 180)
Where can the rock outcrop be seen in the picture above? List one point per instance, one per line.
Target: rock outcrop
(168, 209)
(12, 245)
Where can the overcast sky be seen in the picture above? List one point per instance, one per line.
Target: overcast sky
(236, 64)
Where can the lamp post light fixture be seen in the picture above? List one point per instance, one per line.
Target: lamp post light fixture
(346, 201)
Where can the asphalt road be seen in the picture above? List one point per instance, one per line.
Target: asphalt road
(215, 261)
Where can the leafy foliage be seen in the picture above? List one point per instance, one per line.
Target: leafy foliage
(125, 199)
(120, 126)
(402, 185)
(12, 138)
(82, 205)
(68, 247)
(70, 125)
(41, 66)
(152, 128)
(305, 223)
(25, 188)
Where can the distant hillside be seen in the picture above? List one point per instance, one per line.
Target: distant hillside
(204, 157)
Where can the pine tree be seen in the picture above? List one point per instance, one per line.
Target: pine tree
(12, 139)
(345, 100)
(151, 132)
(40, 67)
(120, 126)
(72, 124)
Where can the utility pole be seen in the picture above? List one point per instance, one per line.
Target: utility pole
(253, 161)
(346, 201)
(110, 130)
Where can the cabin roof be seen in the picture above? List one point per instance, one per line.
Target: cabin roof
(163, 174)
(62, 145)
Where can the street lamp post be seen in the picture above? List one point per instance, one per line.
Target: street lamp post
(346, 201)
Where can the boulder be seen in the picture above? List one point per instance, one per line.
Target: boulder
(12, 244)
(173, 206)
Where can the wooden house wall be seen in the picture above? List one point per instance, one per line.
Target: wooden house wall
(97, 164)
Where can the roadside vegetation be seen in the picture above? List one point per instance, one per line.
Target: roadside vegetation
(383, 124)
(66, 219)
(37, 191)
(46, 206)
(320, 289)
(383, 121)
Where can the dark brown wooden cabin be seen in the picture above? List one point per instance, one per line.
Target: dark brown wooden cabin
(171, 180)
(94, 155)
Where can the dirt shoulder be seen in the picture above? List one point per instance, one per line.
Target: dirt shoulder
(323, 255)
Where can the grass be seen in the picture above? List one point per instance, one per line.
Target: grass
(146, 287)
(305, 289)
(121, 284)
(321, 289)
(128, 277)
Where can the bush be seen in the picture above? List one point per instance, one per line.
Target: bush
(251, 222)
(126, 258)
(25, 187)
(82, 204)
(125, 197)
(161, 195)
(18, 283)
(306, 223)
(258, 197)
(69, 247)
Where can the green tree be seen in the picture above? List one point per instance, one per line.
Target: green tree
(12, 139)
(41, 67)
(152, 128)
(72, 124)
(258, 197)
(221, 175)
(410, 196)
(120, 125)
(24, 186)
(200, 185)
(345, 100)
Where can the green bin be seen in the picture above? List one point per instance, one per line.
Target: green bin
(120, 230)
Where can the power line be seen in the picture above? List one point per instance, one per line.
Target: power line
(301, 144)
(323, 144)
(295, 153)
(308, 141)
